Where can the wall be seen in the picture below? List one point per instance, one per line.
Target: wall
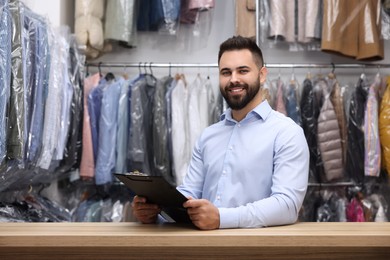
(58, 12)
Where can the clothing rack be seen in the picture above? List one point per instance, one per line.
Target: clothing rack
(215, 65)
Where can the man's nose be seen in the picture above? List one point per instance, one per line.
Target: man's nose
(234, 77)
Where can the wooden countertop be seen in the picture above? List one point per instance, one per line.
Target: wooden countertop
(170, 241)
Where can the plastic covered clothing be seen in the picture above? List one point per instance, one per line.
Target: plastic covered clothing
(355, 154)
(372, 148)
(384, 127)
(245, 18)
(16, 132)
(353, 28)
(309, 115)
(309, 20)
(282, 24)
(337, 101)
(120, 21)
(329, 140)
(5, 71)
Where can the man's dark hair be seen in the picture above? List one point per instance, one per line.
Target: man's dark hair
(241, 43)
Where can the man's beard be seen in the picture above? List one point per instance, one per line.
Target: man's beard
(237, 102)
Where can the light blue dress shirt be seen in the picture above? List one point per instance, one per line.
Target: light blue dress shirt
(106, 159)
(254, 171)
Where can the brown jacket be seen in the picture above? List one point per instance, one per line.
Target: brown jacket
(353, 28)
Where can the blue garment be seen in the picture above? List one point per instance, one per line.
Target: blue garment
(150, 15)
(39, 88)
(94, 102)
(105, 162)
(5, 71)
(254, 171)
(292, 106)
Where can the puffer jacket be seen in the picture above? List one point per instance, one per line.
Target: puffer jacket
(329, 140)
(384, 127)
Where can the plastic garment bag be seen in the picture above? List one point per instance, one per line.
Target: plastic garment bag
(384, 127)
(16, 134)
(120, 21)
(372, 148)
(5, 71)
(352, 28)
(355, 154)
(161, 156)
(329, 140)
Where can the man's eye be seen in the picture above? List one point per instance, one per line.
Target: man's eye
(244, 71)
(225, 73)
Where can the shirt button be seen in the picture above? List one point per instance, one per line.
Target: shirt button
(218, 197)
(239, 125)
(231, 148)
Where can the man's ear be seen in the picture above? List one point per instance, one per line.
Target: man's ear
(263, 75)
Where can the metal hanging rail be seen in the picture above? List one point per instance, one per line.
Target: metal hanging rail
(215, 65)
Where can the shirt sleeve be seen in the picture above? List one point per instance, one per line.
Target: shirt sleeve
(289, 185)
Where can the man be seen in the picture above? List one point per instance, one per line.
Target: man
(251, 168)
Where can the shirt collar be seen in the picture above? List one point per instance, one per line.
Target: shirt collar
(261, 111)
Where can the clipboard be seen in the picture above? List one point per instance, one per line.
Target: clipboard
(158, 191)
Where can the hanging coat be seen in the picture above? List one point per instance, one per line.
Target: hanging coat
(329, 141)
(355, 144)
(372, 152)
(384, 127)
(352, 28)
(309, 115)
(337, 102)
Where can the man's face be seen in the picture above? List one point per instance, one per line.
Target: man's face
(239, 78)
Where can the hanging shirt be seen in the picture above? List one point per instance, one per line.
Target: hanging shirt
(94, 102)
(122, 128)
(39, 90)
(52, 119)
(16, 116)
(87, 165)
(160, 131)
(141, 134)
(105, 162)
(254, 171)
(66, 94)
(180, 141)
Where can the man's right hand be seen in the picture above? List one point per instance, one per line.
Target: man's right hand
(143, 211)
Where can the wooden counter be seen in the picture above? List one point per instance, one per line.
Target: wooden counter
(170, 241)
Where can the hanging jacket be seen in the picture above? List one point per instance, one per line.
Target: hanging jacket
(384, 127)
(245, 18)
(352, 28)
(372, 150)
(355, 145)
(329, 141)
(309, 124)
(337, 101)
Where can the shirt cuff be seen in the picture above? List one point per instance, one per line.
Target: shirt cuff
(229, 217)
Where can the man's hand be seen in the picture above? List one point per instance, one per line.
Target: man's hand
(203, 213)
(145, 212)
